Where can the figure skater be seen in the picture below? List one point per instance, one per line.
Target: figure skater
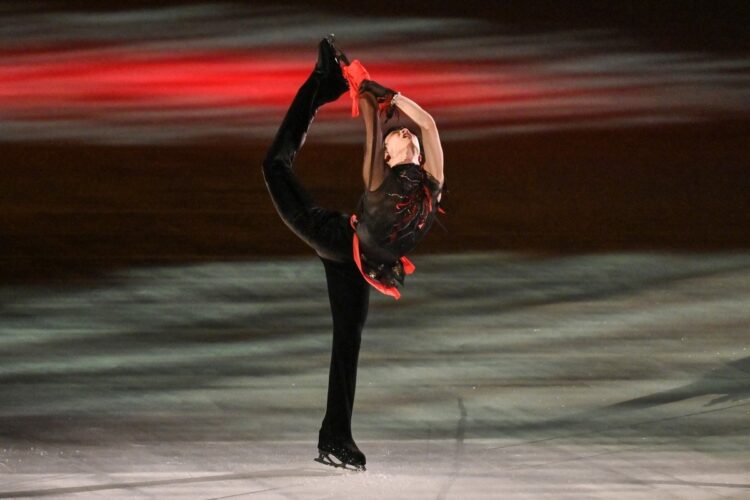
(368, 248)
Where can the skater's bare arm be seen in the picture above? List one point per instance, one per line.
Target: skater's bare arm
(430, 137)
(372, 167)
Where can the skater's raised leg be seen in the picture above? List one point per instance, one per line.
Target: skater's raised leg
(324, 230)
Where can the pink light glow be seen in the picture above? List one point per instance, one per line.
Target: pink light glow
(240, 78)
(181, 77)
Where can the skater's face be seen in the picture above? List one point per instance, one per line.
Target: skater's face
(401, 145)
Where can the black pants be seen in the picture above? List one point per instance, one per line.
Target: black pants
(330, 235)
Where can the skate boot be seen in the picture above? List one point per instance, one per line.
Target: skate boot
(341, 454)
(326, 83)
(332, 83)
(340, 56)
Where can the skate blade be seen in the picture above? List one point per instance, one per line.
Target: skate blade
(340, 56)
(325, 459)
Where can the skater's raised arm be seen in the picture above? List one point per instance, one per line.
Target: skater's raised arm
(373, 167)
(430, 137)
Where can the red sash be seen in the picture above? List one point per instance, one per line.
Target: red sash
(409, 267)
(355, 74)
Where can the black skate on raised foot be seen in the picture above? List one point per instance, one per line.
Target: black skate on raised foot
(328, 72)
(346, 456)
(340, 56)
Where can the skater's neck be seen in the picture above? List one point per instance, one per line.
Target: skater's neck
(405, 158)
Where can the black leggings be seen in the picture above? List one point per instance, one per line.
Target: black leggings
(330, 235)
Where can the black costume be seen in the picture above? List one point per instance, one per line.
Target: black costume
(392, 219)
(330, 234)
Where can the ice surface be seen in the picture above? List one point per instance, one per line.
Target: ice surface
(623, 376)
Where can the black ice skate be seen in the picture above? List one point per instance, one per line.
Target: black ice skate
(346, 456)
(340, 56)
(328, 72)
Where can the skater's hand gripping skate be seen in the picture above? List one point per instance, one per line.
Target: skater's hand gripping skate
(376, 89)
(384, 96)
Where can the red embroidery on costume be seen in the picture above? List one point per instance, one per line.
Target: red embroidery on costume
(413, 208)
(408, 266)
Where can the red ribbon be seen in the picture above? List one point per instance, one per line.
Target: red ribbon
(355, 74)
(409, 267)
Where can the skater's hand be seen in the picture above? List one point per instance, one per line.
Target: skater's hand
(377, 90)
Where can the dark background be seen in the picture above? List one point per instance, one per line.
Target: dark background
(76, 210)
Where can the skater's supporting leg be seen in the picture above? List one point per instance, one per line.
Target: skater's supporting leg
(349, 297)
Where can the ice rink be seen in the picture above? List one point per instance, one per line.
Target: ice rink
(497, 375)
